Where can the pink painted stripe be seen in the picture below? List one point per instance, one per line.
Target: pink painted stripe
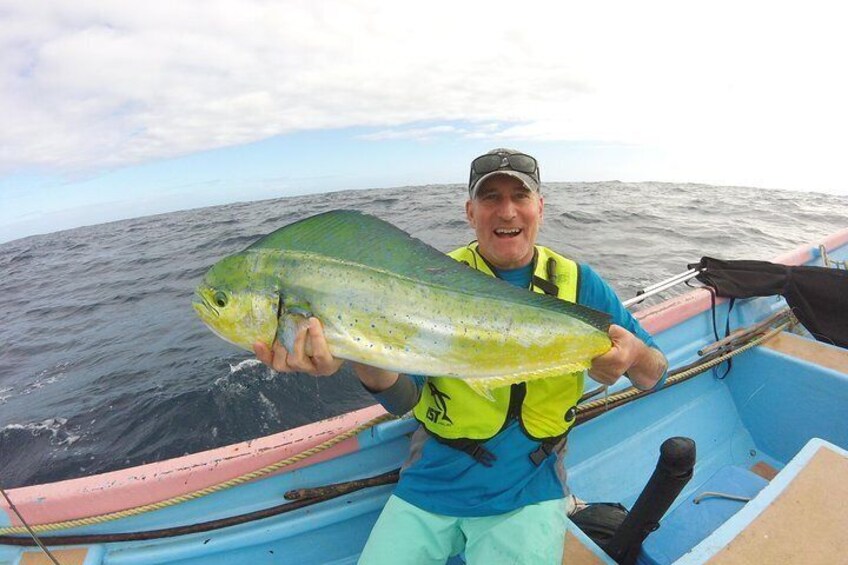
(146, 484)
(835, 240)
(668, 314)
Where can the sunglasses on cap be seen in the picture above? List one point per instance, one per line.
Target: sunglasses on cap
(491, 162)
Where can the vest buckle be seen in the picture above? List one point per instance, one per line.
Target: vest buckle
(542, 453)
(482, 455)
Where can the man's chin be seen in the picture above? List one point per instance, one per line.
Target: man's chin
(510, 258)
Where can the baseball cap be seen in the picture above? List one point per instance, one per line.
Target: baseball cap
(504, 161)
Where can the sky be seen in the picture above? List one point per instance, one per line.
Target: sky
(111, 110)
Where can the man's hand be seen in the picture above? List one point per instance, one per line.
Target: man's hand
(311, 355)
(319, 362)
(629, 354)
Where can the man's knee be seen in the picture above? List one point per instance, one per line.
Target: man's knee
(406, 534)
(533, 535)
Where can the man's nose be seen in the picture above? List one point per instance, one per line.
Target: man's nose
(506, 210)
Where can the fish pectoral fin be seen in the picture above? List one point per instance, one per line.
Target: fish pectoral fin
(294, 317)
(291, 304)
(288, 327)
(299, 310)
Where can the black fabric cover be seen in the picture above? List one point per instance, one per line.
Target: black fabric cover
(818, 296)
(600, 520)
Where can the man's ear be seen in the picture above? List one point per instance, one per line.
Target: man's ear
(541, 209)
(469, 214)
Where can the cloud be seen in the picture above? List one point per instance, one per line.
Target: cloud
(93, 85)
(102, 84)
(418, 134)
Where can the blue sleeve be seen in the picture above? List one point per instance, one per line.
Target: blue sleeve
(402, 396)
(596, 293)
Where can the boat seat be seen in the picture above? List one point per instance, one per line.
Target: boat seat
(799, 518)
(689, 523)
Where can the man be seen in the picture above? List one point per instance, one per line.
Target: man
(501, 499)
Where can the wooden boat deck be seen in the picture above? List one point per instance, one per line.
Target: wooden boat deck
(798, 518)
(810, 351)
(64, 556)
(804, 524)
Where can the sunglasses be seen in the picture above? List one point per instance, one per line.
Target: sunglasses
(519, 162)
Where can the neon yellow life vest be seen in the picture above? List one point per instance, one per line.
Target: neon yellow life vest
(450, 410)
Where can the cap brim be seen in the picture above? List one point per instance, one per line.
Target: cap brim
(525, 179)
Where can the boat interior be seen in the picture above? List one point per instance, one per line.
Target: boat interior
(778, 415)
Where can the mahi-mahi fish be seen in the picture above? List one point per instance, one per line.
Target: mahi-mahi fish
(391, 301)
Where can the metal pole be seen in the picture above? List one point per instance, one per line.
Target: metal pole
(674, 278)
(660, 287)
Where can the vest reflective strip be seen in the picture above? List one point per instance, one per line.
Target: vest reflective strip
(449, 409)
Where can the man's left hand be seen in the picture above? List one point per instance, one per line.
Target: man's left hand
(628, 353)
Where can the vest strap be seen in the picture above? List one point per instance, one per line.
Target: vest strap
(547, 287)
(547, 284)
(545, 449)
(472, 447)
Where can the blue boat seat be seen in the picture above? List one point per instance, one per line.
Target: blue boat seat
(689, 523)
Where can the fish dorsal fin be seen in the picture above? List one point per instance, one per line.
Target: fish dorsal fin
(359, 238)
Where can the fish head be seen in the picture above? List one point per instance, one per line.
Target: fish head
(237, 303)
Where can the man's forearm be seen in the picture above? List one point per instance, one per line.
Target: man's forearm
(648, 369)
(374, 379)
(397, 393)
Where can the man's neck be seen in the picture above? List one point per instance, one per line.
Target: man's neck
(519, 277)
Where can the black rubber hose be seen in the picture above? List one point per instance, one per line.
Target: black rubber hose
(328, 494)
(673, 471)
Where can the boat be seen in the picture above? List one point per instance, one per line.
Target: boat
(769, 482)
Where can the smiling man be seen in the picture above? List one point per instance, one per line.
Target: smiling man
(506, 216)
(498, 496)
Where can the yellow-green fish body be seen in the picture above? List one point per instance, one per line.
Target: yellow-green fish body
(388, 300)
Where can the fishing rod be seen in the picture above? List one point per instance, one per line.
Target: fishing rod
(296, 499)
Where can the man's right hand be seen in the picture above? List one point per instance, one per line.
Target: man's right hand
(320, 363)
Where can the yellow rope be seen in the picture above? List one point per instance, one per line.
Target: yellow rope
(12, 530)
(202, 492)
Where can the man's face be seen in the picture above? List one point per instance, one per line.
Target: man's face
(506, 217)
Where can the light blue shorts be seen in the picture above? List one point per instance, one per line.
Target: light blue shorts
(405, 534)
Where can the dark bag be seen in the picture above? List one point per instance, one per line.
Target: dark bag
(600, 520)
(818, 296)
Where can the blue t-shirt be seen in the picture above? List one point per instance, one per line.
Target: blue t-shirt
(445, 480)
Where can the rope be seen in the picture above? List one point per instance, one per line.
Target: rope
(202, 492)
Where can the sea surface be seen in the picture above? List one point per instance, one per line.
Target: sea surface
(104, 365)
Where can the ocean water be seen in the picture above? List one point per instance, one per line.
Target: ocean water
(104, 365)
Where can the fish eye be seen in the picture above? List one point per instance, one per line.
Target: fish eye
(220, 299)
